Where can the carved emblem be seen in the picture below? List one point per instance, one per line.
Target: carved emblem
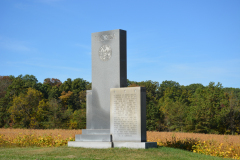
(105, 37)
(105, 52)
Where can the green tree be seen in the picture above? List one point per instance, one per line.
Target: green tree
(66, 86)
(153, 117)
(44, 88)
(50, 88)
(54, 93)
(193, 87)
(79, 87)
(78, 120)
(21, 84)
(206, 110)
(231, 122)
(166, 84)
(5, 81)
(173, 106)
(54, 117)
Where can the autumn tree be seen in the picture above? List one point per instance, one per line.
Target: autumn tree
(5, 81)
(28, 109)
(66, 98)
(52, 82)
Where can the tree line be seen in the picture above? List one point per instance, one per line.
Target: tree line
(27, 103)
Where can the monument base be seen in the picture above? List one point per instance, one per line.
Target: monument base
(94, 135)
(137, 145)
(90, 144)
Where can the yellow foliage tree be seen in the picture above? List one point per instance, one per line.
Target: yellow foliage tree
(28, 109)
(65, 97)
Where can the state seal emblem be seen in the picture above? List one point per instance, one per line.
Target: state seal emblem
(105, 52)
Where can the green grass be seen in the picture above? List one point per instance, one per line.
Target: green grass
(39, 153)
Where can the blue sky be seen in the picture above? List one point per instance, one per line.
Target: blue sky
(185, 41)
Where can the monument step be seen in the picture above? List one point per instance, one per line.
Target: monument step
(90, 144)
(143, 145)
(135, 145)
(96, 131)
(93, 137)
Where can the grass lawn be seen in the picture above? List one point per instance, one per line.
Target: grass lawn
(38, 153)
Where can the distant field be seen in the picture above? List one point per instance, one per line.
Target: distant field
(151, 136)
(162, 136)
(40, 132)
(209, 144)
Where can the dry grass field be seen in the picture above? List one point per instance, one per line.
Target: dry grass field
(209, 144)
(227, 146)
(40, 132)
(163, 136)
(153, 136)
(36, 137)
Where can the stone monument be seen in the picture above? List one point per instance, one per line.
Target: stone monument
(123, 122)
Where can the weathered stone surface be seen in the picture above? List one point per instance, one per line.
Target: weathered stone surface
(128, 114)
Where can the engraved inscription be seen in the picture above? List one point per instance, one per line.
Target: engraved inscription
(125, 115)
(105, 37)
(105, 52)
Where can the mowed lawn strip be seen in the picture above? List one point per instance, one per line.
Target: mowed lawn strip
(113, 153)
